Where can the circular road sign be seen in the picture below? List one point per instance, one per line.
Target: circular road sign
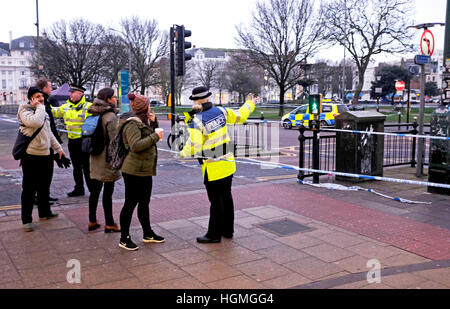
(427, 43)
(400, 85)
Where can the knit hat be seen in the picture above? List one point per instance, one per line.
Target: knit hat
(32, 91)
(138, 103)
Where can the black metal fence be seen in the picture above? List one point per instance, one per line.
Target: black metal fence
(398, 150)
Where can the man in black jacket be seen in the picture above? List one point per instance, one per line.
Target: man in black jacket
(45, 86)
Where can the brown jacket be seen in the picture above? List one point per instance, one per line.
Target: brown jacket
(31, 118)
(141, 141)
(99, 168)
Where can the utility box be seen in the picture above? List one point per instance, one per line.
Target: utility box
(439, 165)
(359, 153)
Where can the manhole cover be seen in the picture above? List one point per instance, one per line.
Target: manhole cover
(284, 227)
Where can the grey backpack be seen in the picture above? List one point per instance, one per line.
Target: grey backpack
(117, 152)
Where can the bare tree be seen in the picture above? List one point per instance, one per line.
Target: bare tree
(72, 51)
(116, 60)
(243, 77)
(367, 28)
(205, 72)
(282, 35)
(221, 80)
(147, 45)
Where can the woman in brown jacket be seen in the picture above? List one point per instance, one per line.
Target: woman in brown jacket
(101, 173)
(139, 166)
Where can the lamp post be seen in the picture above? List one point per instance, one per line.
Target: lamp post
(129, 54)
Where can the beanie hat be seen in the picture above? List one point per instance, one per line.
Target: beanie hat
(32, 91)
(139, 103)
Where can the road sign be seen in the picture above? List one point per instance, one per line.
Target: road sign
(400, 85)
(427, 43)
(421, 59)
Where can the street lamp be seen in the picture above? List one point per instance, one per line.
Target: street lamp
(129, 54)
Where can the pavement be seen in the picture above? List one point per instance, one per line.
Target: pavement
(287, 236)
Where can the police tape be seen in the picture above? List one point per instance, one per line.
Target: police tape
(446, 138)
(290, 167)
(333, 186)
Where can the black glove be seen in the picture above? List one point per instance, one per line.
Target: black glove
(63, 162)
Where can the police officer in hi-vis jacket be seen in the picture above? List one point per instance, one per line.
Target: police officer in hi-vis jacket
(74, 113)
(209, 141)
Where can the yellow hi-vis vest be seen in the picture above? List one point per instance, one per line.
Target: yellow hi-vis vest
(74, 116)
(208, 131)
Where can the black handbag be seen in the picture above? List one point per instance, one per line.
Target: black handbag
(22, 142)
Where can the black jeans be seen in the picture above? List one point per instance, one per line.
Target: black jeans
(96, 188)
(36, 175)
(80, 163)
(221, 213)
(138, 191)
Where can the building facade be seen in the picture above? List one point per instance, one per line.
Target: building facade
(15, 73)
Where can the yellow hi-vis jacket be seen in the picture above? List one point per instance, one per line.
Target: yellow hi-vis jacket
(74, 116)
(209, 138)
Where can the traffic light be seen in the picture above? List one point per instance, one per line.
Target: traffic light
(315, 104)
(180, 35)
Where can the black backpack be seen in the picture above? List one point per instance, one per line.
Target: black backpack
(93, 140)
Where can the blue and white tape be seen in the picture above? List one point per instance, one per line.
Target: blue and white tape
(290, 167)
(333, 186)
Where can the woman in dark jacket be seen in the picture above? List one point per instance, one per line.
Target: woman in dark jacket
(101, 173)
(138, 168)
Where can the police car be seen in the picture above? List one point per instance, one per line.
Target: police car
(301, 115)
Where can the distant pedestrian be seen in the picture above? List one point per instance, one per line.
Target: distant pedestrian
(74, 113)
(36, 164)
(100, 171)
(45, 86)
(209, 141)
(138, 168)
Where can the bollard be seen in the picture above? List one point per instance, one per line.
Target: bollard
(301, 153)
(316, 155)
(399, 119)
(262, 115)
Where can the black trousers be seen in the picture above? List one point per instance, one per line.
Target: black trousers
(80, 163)
(36, 179)
(138, 191)
(96, 188)
(221, 213)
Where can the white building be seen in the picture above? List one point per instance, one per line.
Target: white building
(15, 74)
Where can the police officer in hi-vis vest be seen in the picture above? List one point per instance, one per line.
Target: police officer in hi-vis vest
(74, 113)
(209, 140)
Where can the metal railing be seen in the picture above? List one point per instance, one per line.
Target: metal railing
(398, 150)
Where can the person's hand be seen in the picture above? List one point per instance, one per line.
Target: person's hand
(160, 134)
(61, 154)
(35, 102)
(151, 116)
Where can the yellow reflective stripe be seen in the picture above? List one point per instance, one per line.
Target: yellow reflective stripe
(74, 120)
(74, 127)
(210, 143)
(229, 157)
(238, 116)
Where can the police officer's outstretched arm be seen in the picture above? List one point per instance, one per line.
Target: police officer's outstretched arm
(240, 116)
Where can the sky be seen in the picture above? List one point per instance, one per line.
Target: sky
(212, 22)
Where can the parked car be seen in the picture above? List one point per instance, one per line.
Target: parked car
(156, 103)
(301, 115)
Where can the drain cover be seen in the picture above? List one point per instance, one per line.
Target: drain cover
(284, 227)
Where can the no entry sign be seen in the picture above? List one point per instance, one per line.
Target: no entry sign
(400, 85)
(427, 43)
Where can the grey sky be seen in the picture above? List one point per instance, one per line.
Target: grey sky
(212, 22)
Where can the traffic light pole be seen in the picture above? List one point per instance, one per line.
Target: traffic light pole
(172, 80)
(421, 144)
